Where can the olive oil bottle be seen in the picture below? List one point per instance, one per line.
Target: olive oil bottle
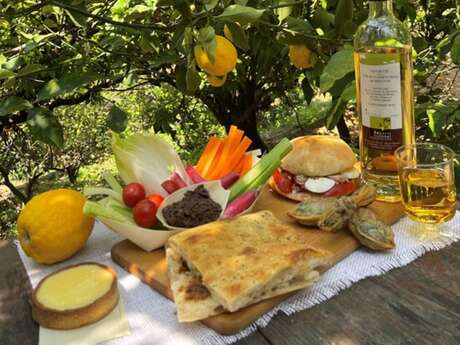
(385, 97)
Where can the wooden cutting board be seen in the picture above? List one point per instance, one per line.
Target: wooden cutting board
(151, 267)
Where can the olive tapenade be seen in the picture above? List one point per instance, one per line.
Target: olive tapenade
(195, 208)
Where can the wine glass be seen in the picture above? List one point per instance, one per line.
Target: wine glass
(427, 182)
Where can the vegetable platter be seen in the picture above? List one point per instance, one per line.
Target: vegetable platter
(159, 195)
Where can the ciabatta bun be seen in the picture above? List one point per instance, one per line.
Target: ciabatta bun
(318, 155)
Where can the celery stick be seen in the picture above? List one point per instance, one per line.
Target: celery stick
(112, 182)
(88, 191)
(261, 179)
(95, 209)
(275, 155)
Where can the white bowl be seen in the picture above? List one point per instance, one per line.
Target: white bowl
(216, 192)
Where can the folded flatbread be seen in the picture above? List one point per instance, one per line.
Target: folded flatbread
(229, 264)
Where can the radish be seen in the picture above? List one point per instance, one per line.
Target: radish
(194, 175)
(178, 180)
(241, 203)
(170, 186)
(229, 179)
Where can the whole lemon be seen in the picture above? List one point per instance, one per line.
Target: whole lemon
(301, 57)
(52, 226)
(216, 81)
(224, 57)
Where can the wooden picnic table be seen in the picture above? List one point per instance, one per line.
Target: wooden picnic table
(417, 304)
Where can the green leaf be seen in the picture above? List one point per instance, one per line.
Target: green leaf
(340, 64)
(13, 104)
(446, 40)
(343, 14)
(187, 42)
(207, 40)
(192, 78)
(283, 12)
(436, 121)
(117, 119)
(165, 58)
(140, 9)
(297, 25)
(238, 36)
(181, 83)
(45, 127)
(455, 50)
(29, 69)
(335, 114)
(68, 83)
(240, 14)
(2, 59)
(349, 94)
(78, 19)
(210, 4)
(6, 73)
(457, 116)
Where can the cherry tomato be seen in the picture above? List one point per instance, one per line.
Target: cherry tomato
(283, 183)
(343, 188)
(145, 213)
(133, 193)
(157, 199)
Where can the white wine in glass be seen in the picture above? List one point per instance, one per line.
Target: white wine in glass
(427, 183)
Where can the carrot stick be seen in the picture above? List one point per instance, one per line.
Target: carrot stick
(239, 166)
(238, 153)
(247, 164)
(208, 154)
(231, 143)
(215, 153)
(211, 167)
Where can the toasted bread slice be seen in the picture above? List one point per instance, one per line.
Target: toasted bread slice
(241, 261)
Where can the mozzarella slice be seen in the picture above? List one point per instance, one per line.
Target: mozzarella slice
(319, 184)
(351, 173)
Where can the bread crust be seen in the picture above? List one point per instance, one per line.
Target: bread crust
(231, 257)
(318, 155)
(75, 318)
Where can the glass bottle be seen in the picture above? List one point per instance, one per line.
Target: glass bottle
(385, 97)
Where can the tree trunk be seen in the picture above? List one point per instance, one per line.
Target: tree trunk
(248, 124)
(344, 132)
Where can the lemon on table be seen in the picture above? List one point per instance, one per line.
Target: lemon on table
(52, 226)
(301, 57)
(216, 81)
(225, 57)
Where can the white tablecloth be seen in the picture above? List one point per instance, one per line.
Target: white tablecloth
(152, 317)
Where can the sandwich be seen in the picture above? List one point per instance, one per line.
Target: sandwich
(229, 264)
(318, 166)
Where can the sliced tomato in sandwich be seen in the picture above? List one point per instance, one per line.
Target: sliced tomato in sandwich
(342, 188)
(283, 183)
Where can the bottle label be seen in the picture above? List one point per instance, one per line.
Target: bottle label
(380, 80)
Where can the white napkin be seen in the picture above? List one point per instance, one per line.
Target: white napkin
(112, 326)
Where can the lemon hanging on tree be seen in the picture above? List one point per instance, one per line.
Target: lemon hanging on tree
(225, 57)
(52, 226)
(301, 57)
(216, 81)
